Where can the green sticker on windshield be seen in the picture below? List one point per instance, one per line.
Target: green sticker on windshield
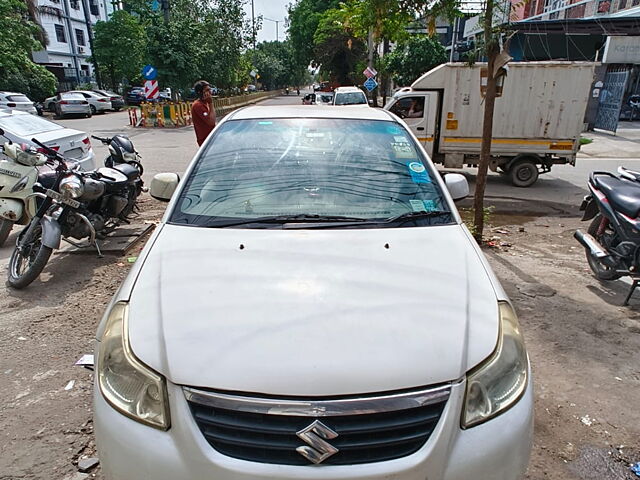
(429, 205)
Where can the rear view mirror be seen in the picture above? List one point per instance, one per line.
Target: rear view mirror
(457, 185)
(163, 185)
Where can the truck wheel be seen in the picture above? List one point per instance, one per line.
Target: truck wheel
(523, 173)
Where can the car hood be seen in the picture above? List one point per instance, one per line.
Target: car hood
(313, 312)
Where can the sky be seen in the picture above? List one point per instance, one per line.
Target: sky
(273, 9)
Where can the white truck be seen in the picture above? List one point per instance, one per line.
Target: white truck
(538, 117)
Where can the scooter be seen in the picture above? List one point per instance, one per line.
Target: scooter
(17, 178)
(612, 241)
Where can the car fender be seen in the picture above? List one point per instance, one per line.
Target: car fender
(51, 232)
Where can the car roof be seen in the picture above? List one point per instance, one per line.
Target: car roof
(2, 92)
(347, 90)
(310, 111)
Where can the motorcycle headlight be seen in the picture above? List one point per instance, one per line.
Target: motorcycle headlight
(71, 186)
(126, 383)
(498, 382)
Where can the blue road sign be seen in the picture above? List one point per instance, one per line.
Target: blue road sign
(149, 72)
(370, 84)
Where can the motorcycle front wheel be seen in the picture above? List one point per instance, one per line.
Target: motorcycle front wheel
(28, 261)
(599, 269)
(5, 230)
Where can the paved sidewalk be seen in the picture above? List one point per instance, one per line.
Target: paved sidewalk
(624, 144)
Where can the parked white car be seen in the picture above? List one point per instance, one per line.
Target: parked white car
(97, 102)
(312, 307)
(16, 101)
(349, 96)
(21, 127)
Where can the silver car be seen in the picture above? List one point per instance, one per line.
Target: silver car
(71, 104)
(16, 101)
(20, 127)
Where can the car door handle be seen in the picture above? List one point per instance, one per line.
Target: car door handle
(420, 128)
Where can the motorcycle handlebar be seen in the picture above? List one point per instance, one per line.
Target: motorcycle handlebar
(103, 140)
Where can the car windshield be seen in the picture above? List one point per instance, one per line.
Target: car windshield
(276, 171)
(352, 98)
(26, 125)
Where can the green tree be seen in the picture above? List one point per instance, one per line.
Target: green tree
(18, 38)
(122, 33)
(304, 17)
(277, 65)
(413, 57)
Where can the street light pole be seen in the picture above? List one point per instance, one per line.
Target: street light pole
(253, 27)
(276, 22)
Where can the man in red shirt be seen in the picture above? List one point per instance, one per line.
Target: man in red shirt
(202, 112)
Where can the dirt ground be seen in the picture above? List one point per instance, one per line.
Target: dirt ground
(584, 348)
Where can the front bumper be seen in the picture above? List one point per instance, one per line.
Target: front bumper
(498, 449)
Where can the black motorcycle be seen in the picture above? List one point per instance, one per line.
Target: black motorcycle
(612, 241)
(72, 204)
(122, 152)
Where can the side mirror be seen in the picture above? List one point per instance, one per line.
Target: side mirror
(163, 185)
(457, 185)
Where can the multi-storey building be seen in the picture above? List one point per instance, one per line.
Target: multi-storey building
(69, 24)
(565, 9)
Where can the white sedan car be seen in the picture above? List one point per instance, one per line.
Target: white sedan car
(20, 127)
(16, 101)
(98, 103)
(312, 307)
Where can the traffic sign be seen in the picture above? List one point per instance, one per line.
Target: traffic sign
(370, 72)
(149, 72)
(151, 89)
(370, 84)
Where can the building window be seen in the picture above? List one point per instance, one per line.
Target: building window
(635, 2)
(603, 6)
(75, 4)
(93, 7)
(80, 37)
(60, 34)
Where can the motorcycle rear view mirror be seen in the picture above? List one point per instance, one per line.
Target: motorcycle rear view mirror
(163, 185)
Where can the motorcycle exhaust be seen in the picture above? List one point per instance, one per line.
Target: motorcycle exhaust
(594, 247)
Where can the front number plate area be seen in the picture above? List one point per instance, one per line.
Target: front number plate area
(59, 198)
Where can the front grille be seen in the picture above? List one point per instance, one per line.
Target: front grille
(271, 438)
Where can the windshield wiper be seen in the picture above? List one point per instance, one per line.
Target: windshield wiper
(300, 218)
(406, 217)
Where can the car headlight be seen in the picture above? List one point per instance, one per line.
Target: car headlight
(498, 382)
(71, 186)
(126, 383)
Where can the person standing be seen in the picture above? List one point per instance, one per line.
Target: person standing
(203, 114)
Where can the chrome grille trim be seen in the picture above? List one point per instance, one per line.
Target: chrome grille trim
(320, 408)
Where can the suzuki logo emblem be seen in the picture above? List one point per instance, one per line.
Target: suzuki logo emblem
(315, 435)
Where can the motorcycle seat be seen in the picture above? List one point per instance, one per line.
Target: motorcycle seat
(129, 170)
(623, 195)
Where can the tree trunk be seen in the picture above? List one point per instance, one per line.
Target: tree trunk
(492, 51)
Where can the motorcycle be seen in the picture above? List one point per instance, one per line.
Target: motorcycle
(612, 241)
(74, 204)
(14, 206)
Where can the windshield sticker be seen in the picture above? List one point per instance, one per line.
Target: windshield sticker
(403, 150)
(265, 123)
(401, 139)
(418, 172)
(429, 205)
(418, 205)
